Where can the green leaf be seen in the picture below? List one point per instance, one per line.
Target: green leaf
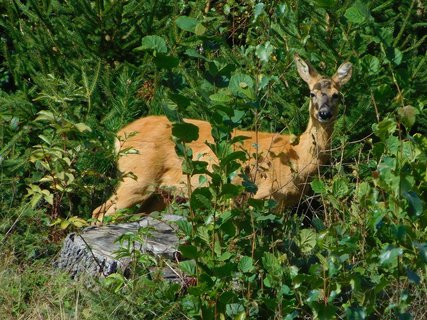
(371, 64)
(414, 202)
(203, 234)
(187, 23)
(14, 123)
(307, 240)
(226, 215)
(267, 281)
(45, 115)
(250, 187)
(116, 281)
(45, 139)
(326, 311)
(314, 295)
(363, 190)
(407, 115)
(413, 276)
(155, 43)
(224, 270)
(394, 55)
(318, 186)
(390, 255)
(234, 156)
(325, 3)
(35, 199)
(181, 100)
(223, 96)
(77, 222)
(82, 127)
(271, 263)
(340, 188)
(186, 132)
(64, 224)
(246, 264)
(200, 29)
(240, 316)
(264, 80)
(237, 117)
(385, 128)
(235, 310)
(264, 51)
(258, 10)
(188, 251)
(191, 305)
(357, 13)
(230, 191)
(200, 202)
(195, 54)
(201, 198)
(292, 316)
(385, 36)
(225, 256)
(188, 267)
(318, 224)
(199, 167)
(355, 312)
(166, 61)
(285, 290)
(242, 86)
(185, 227)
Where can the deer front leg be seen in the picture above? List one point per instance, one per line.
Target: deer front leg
(128, 194)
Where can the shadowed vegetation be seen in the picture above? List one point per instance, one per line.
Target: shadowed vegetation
(74, 72)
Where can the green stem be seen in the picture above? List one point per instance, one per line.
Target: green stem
(405, 22)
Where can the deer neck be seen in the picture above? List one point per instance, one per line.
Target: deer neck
(315, 142)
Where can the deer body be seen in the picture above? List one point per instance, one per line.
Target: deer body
(280, 168)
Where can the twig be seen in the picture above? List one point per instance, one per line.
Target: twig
(377, 114)
(352, 142)
(93, 255)
(14, 224)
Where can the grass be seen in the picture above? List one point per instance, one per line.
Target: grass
(37, 291)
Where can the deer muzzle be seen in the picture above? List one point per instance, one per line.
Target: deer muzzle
(325, 113)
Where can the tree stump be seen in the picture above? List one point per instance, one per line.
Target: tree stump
(92, 251)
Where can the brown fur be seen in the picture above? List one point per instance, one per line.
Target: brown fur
(280, 170)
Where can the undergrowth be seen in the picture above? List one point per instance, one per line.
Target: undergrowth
(72, 73)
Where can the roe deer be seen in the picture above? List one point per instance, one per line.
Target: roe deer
(283, 167)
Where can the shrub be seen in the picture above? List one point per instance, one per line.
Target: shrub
(74, 72)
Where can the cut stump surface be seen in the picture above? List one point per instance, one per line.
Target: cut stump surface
(92, 251)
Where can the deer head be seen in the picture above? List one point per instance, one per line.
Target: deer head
(324, 92)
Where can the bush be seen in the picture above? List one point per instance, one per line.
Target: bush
(74, 72)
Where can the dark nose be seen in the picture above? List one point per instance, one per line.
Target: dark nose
(325, 113)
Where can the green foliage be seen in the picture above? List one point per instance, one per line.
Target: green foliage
(72, 73)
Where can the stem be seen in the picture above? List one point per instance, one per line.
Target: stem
(191, 209)
(151, 17)
(405, 22)
(325, 287)
(55, 204)
(377, 114)
(213, 237)
(394, 78)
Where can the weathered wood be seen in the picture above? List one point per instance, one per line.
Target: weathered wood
(92, 251)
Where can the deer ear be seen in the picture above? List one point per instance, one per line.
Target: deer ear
(343, 74)
(305, 70)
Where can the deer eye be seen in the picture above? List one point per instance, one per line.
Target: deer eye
(312, 94)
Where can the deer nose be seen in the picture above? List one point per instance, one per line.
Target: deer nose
(325, 113)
